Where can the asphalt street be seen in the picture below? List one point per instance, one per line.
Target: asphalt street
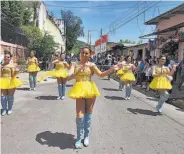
(40, 124)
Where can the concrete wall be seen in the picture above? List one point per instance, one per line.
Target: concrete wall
(55, 32)
(42, 16)
(18, 52)
(166, 23)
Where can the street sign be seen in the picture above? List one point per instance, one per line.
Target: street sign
(101, 44)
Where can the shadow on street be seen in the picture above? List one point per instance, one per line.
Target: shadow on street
(110, 89)
(61, 140)
(114, 97)
(46, 97)
(104, 79)
(23, 89)
(142, 111)
(182, 110)
(69, 85)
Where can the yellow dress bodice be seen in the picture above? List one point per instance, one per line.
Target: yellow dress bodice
(32, 61)
(161, 81)
(6, 72)
(161, 70)
(126, 67)
(84, 74)
(60, 65)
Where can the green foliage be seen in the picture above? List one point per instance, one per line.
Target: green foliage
(139, 42)
(16, 12)
(74, 28)
(35, 5)
(127, 41)
(44, 45)
(47, 46)
(27, 16)
(13, 11)
(34, 36)
(5, 9)
(77, 46)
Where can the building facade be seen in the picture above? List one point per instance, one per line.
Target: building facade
(169, 34)
(53, 27)
(139, 51)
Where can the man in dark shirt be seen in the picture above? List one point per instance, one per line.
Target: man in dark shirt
(181, 73)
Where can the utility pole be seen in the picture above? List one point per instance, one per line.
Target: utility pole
(101, 40)
(65, 36)
(88, 36)
(90, 39)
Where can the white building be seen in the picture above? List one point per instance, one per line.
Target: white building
(53, 27)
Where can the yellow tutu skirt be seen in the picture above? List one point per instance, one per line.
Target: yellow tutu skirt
(83, 89)
(33, 68)
(160, 83)
(55, 73)
(120, 72)
(62, 73)
(9, 83)
(127, 76)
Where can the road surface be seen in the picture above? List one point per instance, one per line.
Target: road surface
(40, 124)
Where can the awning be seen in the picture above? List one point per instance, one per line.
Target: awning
(173, 28)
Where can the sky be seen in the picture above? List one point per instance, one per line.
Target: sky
(115, 15)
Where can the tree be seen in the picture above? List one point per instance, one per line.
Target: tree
(76, 48)
(13, 11)
(27, 16)
(44, 45)
(34, 36)
(127, 42)
(35, 5)
(73, 28)
(47, 46)
(139, 42)
(5, 9)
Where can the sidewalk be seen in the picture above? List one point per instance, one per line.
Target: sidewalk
(176, 98)
(169, 110)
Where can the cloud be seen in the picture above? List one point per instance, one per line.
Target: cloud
(85, 10)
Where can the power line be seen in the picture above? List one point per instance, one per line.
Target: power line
(136, 16)
(127, 17)
(111, 24)
(100, 7)
(83, 6)
(119, 20)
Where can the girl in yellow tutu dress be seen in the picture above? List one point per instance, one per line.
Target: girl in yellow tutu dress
(160, 82)
(120, 72)
(60, 72)
(85, 92)
(33, 69)
(8, 84)
(128, 77)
